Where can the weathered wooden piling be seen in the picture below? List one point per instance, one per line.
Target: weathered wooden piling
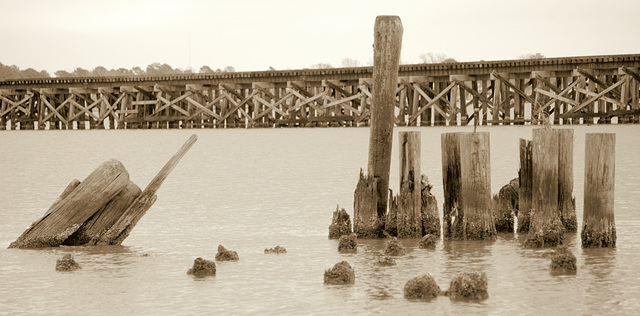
(452, 217)
(505, 205)
(545, 227)
(467, 184)
(429, 212)
(475, 186)
(372, 190)
(410, 199)
(525, 175)
(598, 224)
(566, 201)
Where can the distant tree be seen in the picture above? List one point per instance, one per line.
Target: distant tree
(449, 61)
(137, 71)
(100, 71)
(160, 69)
(81, 72)
(229, 69)
(62, 73)
(531, 56)
(321, 66)
(350, 62)
(122, 72)
(271, 68)
(432, 58)
(206, 70)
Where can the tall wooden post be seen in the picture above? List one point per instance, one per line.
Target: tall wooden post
(475, 186)
(373, 188)
(598, 224)
(451, 223)
(386, 57)
(566, 201)
(410, 200)
(545, 227)
(524, 195)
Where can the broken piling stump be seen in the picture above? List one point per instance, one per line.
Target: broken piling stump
(226, 255)
(598, 223)
(566, 200)
(348, 243)
(506, 206)
(469, 286)
(276, 250)
(202, 267)
(102, 209)
(429, 211)
(341, 273)
(393, 247)
(67, 263)
(563, 261)
(340, 224)
(422, 287)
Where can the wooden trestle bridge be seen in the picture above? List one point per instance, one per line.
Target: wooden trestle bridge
(569, 90)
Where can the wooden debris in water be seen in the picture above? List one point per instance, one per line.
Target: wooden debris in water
(422, 287)
(102, 209)
(385, 261)
(598, 224)
(340, 224)
(226, 255)
(429, 211)
(202, 267)
(348, 243)
(341, 273)
(67, 263)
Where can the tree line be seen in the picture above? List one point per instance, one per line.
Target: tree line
(14, 72)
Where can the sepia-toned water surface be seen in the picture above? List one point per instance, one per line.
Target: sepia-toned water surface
(254, 189)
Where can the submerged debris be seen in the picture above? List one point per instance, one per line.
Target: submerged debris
(66, 263)
(386, 261)
(340, 224)
(506, 205)
(469, 286)
(428, 242)
(226, 255)
(563, 261)
(393, 247)
(276, 250)
(202, 267)
(341, 273)
(347, 243)
(422, 287)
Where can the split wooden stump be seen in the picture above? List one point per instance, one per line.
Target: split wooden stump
(101, 210)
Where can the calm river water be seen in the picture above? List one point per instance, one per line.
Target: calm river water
(254, 189)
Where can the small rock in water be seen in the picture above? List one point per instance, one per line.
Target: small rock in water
(386, 261)
(563, 261)
(428, 242)
(341, 273)
(469, 286)
(422, 287)
(202, 267)
(393, 247)
(66, 263)
(276, 250)
(226, 255)
(347, 243)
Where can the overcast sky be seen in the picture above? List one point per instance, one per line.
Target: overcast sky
(254, 35)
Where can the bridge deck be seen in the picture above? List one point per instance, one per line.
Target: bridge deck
(569, 90)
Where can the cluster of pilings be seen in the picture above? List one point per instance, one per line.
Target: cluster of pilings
(545, 205)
